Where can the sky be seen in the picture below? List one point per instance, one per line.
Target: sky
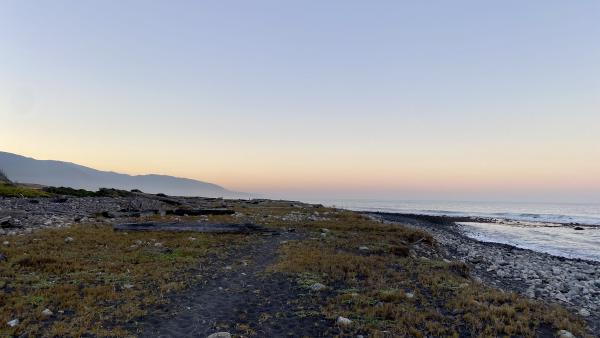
(468, 100)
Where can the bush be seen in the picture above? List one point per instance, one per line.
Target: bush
(70, 191)
(102, 192)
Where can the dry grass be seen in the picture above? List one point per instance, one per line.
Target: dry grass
(97, 282)
(15, 190)
(386, 290)
(389, 293)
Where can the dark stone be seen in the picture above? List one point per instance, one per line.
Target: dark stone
(6, 223)
(193, 227)
(199, 212)
(578, 228)
(2, 257)
(60, 200)
(108, 214)
(170, 201)
(34, 201)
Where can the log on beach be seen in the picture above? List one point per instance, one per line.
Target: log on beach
(200, 212)
(193, 227)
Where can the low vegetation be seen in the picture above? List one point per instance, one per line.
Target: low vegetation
(95, 281)
(386, 278)
(9, 189)
(102, 192)
(375, 281)
(16, 190)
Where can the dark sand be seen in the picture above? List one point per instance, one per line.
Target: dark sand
(241, 300)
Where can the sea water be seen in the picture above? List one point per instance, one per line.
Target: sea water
(543, 227)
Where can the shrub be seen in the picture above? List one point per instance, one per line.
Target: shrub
(102, 192)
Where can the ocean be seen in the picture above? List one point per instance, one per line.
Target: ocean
(543, 227)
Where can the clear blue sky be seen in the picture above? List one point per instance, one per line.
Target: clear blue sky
(452, 99)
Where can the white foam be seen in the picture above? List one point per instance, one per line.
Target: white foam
(555, 240)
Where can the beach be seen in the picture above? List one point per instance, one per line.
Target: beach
(574, 283)
(150, 265)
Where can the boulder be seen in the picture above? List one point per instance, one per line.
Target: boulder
(565, 334)
(220, 335)
(343, 321)
(584, 313)
(318, 287)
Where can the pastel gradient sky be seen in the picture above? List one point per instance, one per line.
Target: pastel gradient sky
(377, 99)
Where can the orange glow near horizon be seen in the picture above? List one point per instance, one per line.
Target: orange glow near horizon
(344, 173)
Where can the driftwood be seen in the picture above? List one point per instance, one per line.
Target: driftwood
(193, 227)
(199, 212)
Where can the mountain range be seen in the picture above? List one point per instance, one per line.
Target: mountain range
(58, 173)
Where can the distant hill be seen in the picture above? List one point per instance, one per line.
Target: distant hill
(57, 173)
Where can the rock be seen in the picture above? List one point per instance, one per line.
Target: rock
(158, 244)
(6, 243)
(561, 297)
(502, 273)
(69, 239)
(475, 259)
(2, 257)
(13, 323)
(108, 214)
(191, 238)
(318, 287)
(47, 313)
(584, 313)
(343, 321)
(128, 286)
(323, 234)
(530, 293)
(565, 334)
(409, 295)
(363, 248)
(220, 335)
(325, 230)
(578, 228)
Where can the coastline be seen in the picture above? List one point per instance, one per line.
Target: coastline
(571, 282)
(315, 266)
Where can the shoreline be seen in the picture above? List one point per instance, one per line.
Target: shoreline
(418, 264)
(571, 282)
